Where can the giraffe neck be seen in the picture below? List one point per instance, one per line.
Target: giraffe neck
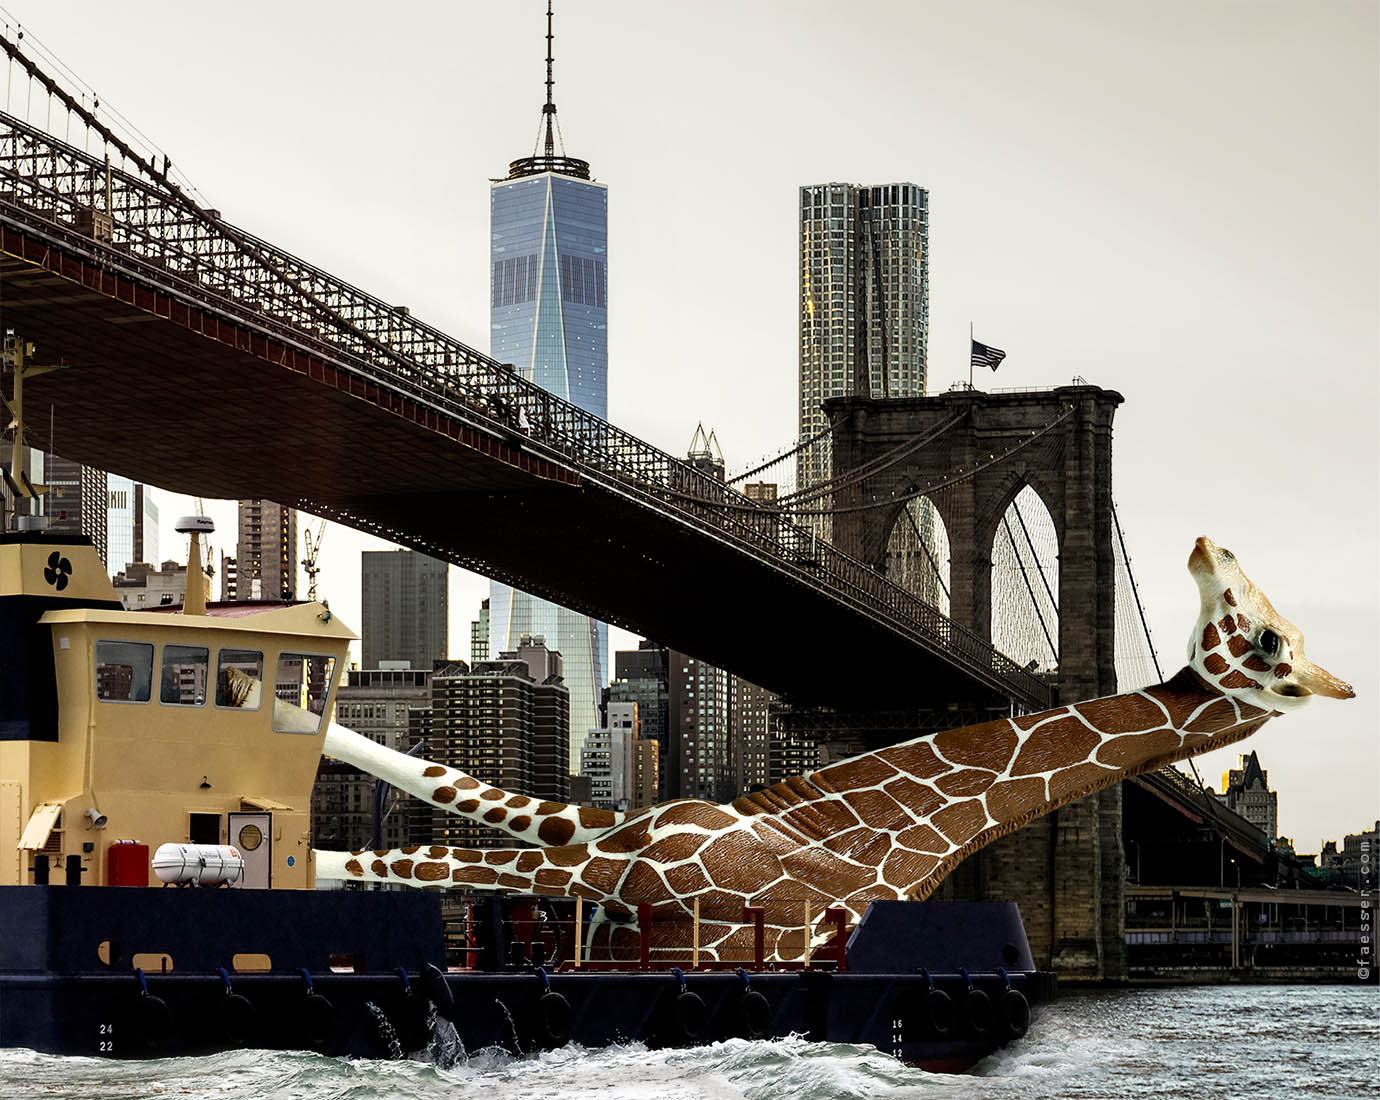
(888, 824)
(534, 820)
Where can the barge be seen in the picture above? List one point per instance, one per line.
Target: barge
(159, 896)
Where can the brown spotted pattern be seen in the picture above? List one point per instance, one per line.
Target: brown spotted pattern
(884, 825)
(463, 795)
(1242, 646)
(889, 824)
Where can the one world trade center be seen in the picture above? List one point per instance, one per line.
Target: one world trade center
(549, 319)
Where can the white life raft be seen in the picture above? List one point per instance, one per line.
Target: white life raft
(198, 864)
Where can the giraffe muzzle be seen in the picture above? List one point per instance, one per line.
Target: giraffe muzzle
(1315, 680)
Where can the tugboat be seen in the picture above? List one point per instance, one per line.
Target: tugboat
(157, 876)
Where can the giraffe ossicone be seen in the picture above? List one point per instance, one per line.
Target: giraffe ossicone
(888, 824)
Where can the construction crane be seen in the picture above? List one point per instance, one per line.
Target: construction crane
(313, 547)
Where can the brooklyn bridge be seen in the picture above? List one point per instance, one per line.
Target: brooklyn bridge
(187, 343)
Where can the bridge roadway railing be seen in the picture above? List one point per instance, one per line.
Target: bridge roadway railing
(147, 228)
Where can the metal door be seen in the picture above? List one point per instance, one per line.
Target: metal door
(252, 836)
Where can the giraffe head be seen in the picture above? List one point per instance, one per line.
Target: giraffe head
(1245, 648)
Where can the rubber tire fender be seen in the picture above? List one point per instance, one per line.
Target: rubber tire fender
(316, 1022)
(238, 1023)
(691, 1015)
(937, 1011)
(555, 1020)
(978, 1014)
(1015, 1013)
(152, 1024)
(755, 1013)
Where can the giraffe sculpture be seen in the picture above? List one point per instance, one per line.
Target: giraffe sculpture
(885, 825)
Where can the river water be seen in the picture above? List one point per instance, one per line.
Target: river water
(1278, 1042)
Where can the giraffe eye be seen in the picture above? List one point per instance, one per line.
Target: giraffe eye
(1227, 555)
(1268, 642)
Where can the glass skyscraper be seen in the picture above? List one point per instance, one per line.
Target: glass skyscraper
(864, 331)
(549, 319)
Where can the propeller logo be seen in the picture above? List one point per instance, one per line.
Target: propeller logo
(58, 570)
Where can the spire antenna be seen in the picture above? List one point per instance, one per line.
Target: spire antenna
(550, 129)
(550, 109)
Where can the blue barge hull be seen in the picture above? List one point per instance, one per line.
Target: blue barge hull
(139, 972)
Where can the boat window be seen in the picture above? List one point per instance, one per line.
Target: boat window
(124, 671)
(300, 688)
(203, 828)
(184, 675)
(239, 678)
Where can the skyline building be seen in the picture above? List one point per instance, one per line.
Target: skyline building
(506, 722)
(750, 725)
(77, 501)
(640, 677)
(119, 523)
(403, 597)
(265, 566)
(145, 546)
(549, 319)
(864, 332)
(1246, 791)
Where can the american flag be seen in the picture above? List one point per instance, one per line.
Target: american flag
(984, 356)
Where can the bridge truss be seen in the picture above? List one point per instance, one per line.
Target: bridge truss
(103, 219)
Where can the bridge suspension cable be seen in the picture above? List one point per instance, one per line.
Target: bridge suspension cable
(943, 483)
(880, 464)
(1132, 627)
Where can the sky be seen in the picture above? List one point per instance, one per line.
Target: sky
(1174, 200)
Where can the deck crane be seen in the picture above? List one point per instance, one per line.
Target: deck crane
(313, 547)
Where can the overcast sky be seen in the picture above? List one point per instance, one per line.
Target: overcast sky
(1176, 200)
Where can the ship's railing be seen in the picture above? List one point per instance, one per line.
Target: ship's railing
(554, 932)
(133, 222)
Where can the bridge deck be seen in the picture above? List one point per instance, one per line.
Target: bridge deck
(191, 387)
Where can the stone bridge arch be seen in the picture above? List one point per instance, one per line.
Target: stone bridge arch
(1066, 868)
(1059, 442)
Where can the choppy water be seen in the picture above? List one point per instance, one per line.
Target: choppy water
(1229, 1042)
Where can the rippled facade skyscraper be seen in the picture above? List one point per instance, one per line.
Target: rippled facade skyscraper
(549, 319)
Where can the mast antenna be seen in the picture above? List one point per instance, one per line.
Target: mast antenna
(549, 110)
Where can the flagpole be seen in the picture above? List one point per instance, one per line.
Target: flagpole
(970, 355)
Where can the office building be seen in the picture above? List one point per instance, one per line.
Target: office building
(864, 330)
(607, 758)
(265, 552)
(791, 753)
(620, 765)
(119, 523)
(506, 722)
(1246, 790)
(145, 541)
(701, 740)
(750, 724)
(403, 608)
(143, 587)
(77, 502)
(684, 705)
(549, 319)
(640, 676)
(479, 635)
(378, 704)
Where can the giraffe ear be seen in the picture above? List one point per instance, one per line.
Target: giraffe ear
(1318, 680)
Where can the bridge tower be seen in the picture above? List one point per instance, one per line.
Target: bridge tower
(971, 453)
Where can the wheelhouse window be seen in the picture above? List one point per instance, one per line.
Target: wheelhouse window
(183, 681)
(300, 687)
(124, 671)
(239, 678)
